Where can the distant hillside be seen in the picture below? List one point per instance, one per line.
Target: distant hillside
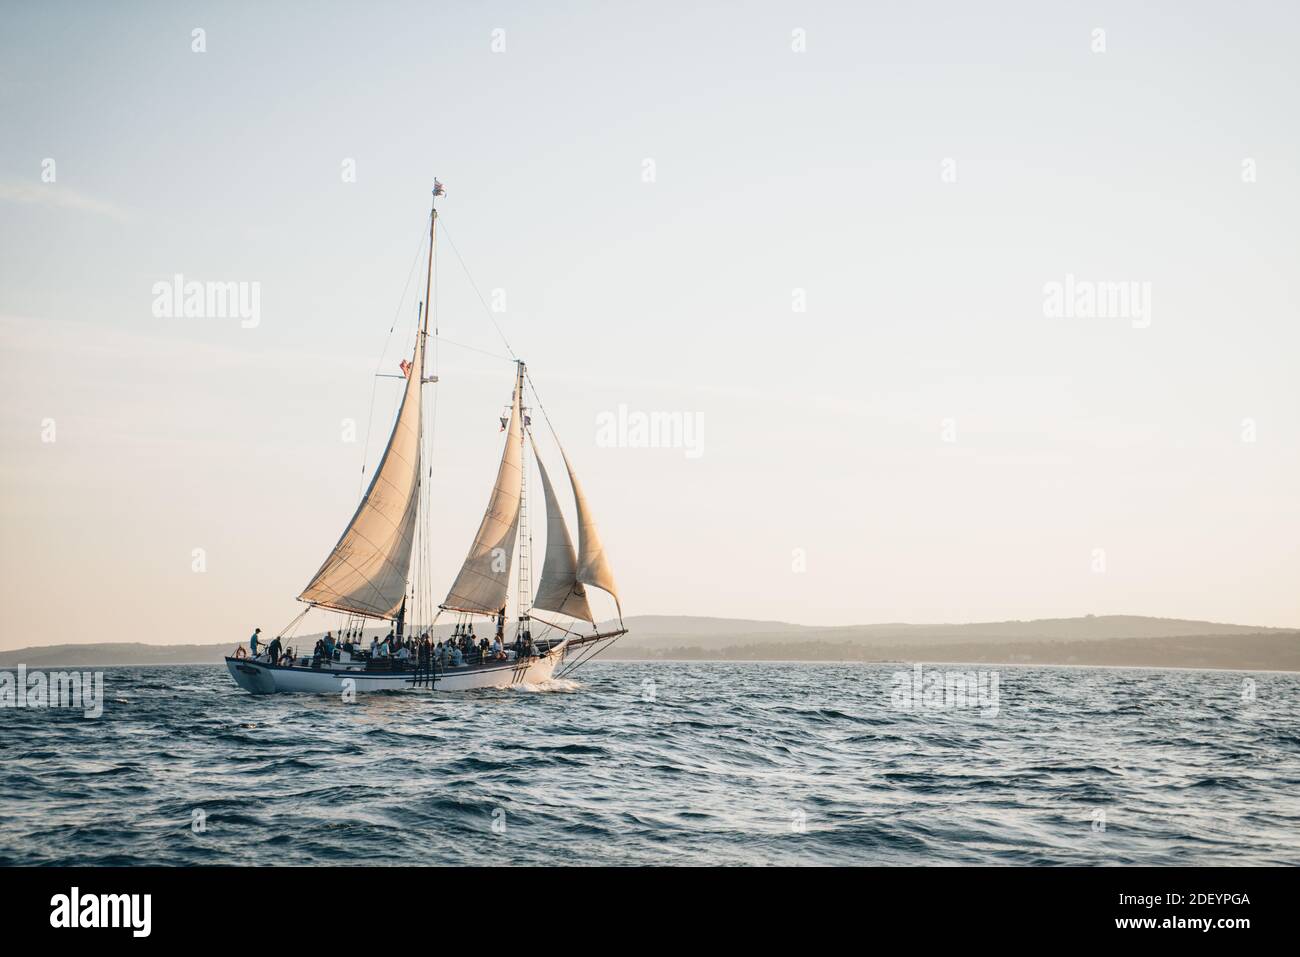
(1249, 652)
(650, 632)
(106, 654)
(1098, 640)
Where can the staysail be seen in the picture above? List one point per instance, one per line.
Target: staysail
(593, 566)
(366, 572)
(484, 578)
(559, 589)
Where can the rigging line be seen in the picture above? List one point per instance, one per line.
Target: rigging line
(286, 631)
(538, 399)
(497, 327)
(474, 286)
(461, 345)
(374, 384)
(595, 651)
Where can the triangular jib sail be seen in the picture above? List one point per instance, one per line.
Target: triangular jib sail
(559, 589)
(366, 573)
(484, 578)
(593, 566)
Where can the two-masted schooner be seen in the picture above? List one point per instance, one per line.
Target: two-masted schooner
(368, 576)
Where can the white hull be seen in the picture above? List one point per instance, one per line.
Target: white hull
(260, 677)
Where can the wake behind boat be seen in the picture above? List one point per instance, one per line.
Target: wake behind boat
(378, 573)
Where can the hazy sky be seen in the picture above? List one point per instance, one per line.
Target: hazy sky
(922, 442)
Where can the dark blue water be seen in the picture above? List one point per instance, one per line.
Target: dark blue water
(729, 763)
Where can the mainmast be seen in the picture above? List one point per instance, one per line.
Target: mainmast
(525, 572)
(422, 332)
(428, 276)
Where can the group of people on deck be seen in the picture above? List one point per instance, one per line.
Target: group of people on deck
(273, 652)
(462, 648)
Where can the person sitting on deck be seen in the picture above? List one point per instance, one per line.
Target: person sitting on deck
(497, 651)
(405, 653)
(456, 658)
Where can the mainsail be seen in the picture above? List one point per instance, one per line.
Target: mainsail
(559, 589)
(366, 573)
(483, 581)
(593, 566)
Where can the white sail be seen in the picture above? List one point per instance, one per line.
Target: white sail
(559, 589)
(366, 573)
(593, 566)
(484, 579)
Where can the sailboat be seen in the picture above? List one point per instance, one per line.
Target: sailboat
(369, 576)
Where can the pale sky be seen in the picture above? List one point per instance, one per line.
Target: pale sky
(921, 443)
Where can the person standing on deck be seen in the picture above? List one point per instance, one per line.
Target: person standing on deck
(252, 642)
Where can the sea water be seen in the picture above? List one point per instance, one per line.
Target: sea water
(668, 763)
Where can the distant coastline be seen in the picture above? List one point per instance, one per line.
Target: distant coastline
(1251, 652)
(1094, 641)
